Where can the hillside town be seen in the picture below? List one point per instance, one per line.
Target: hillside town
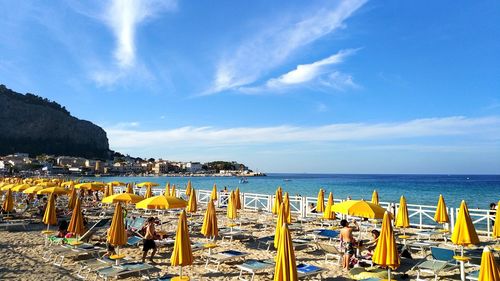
(120, 165)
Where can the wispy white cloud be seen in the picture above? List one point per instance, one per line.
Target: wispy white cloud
(487, 128)
(271, 47)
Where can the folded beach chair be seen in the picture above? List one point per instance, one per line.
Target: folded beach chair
(441, 261)
(222, 257)
(253, 267)
(126, 268)
(306, 271)
(331, 251)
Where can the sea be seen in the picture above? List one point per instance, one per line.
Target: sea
(477, 190)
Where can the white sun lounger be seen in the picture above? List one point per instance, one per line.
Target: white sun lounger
(116, 271)
(253, 267)
(221, 257)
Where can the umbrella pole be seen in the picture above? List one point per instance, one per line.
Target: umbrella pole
(389, 273)
(181, 273)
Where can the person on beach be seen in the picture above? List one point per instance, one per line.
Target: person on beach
(110, 249)
(348, 242)
(493, 210)
(62, 229)
(372, 244)
(149, 240)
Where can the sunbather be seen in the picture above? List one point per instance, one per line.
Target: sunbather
(149, 242)
(348, 242)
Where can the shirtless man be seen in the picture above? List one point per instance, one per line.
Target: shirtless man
(348, 242)
(149, 240)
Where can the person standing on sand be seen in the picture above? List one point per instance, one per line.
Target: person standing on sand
(149, 240)
(347, 241)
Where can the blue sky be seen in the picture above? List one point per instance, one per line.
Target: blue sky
(283, 86)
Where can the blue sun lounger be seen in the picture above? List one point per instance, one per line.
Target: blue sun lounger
(308, 270)
(224, 256)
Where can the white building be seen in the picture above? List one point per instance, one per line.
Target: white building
(194, 167)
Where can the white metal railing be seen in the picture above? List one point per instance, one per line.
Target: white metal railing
(255, 201)
(482, 220)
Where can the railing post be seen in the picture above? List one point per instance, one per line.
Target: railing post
(488, 223)
(420, 221)
(452, 219)
(269, 203)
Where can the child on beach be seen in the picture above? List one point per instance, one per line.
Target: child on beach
(348, 242)
(149, 242)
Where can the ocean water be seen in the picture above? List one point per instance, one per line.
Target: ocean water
(478, 190)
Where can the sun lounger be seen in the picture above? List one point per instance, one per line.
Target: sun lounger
(230, 233)
(252, 267)
(441, 261)
(266, 240)
(221, 257)
(14, 223)
(306, 271)
(473, 275)
(93, 229)
(420, 246)
(73, 252)
(92, 265)
(330, 251)
(428, 234)
(324, 234)
(127, 268)
(134, 240)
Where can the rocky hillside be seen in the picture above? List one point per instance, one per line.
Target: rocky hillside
(35, 125)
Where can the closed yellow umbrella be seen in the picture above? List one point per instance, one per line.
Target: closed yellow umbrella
(286, 266)
(402, 219)
(117, 235)
(496, 227)
(464, 232)
(182, 254)
(72, 198)
(213, 195)
(375, 197)
(238, 198)
(76, 223)
(173, 191)
(278, 198)
(20, 187)
(192, 204)
(8, 203)
(386, 251)
(288, 211)
(320, 203)
(162, 202)
(167, 189)
(188, 188)
(122, 198)
(33, 189)
(359, 208)
(106, 191)
(279, 223)
(231, 207)
(209, 227)
(130, 189)
(149, 192)
(110, 189)
(441, 215)
(147, 183)
(328, 214)
(50, 217)
(489, 270)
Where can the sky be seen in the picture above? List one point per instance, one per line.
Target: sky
(282, 86)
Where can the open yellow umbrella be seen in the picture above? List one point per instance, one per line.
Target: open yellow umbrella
(238, 198)
(328, 214)
(147, 183)
(209, 227)
(53, 190)
(386, 251)
(320, 203)
(192, 204)
(375, 197)
(72, 198)
(116, 183)
(213, 195)
(48, 184)
(149, 192)
(441, 215)
(359, 208)
(8, 186)
(94, 186)
(76, 223)
(278, 198)
(130, 189)
(122, 198)
(489, 270)
(20, 187)
(50, 217)
(8, 203)
(402, 219)
(464, 232)
(182, 254)
(33, 189)
(231, 207)
(496, 227)
(286, 266)
(167, 189)
(67, 183)
(173, 191)
(188, 188)
(161, 202)
(288, 211)
(279, 223)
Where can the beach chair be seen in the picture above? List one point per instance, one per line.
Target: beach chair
(93, 229)
(329, 234)
(253, 267)
(473, 275)
(330, 251)
(134, 240)
(266, 240)
(230, 233)
(222, 257)
(308, 271)
(84, 250)
(441, 261)
(127, 268)
(92, 265)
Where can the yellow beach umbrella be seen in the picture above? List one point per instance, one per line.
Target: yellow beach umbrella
(147, 183)
(110, 189)
(20, 187)
(117, 183)
(33, 189)
(8, 186)
(359, 208)
(441, 215)
(192, 204)
(149, 192)
(464, 232)
(238, 198)
(489, 270)
(48, 184)
(67, 183)
(117, 235)
(167, 189)
(122, 198)
(173, 191)
(182, 254)
(320, 203)
(188, 188)
(209, 227)
(402, 219)
(72, 198)
(286, 266)
(94, 186)
(8, 203)
(130, 189)
(278, 198)
(231, 207)
(50, 217)
(328, 214)
(496, 227)
(53, 190)
(161, 202)
(375, 197)
(213, 195)
(279, 223)
(106, 191)
(288, 212)
(76, 223)
(386, 251)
